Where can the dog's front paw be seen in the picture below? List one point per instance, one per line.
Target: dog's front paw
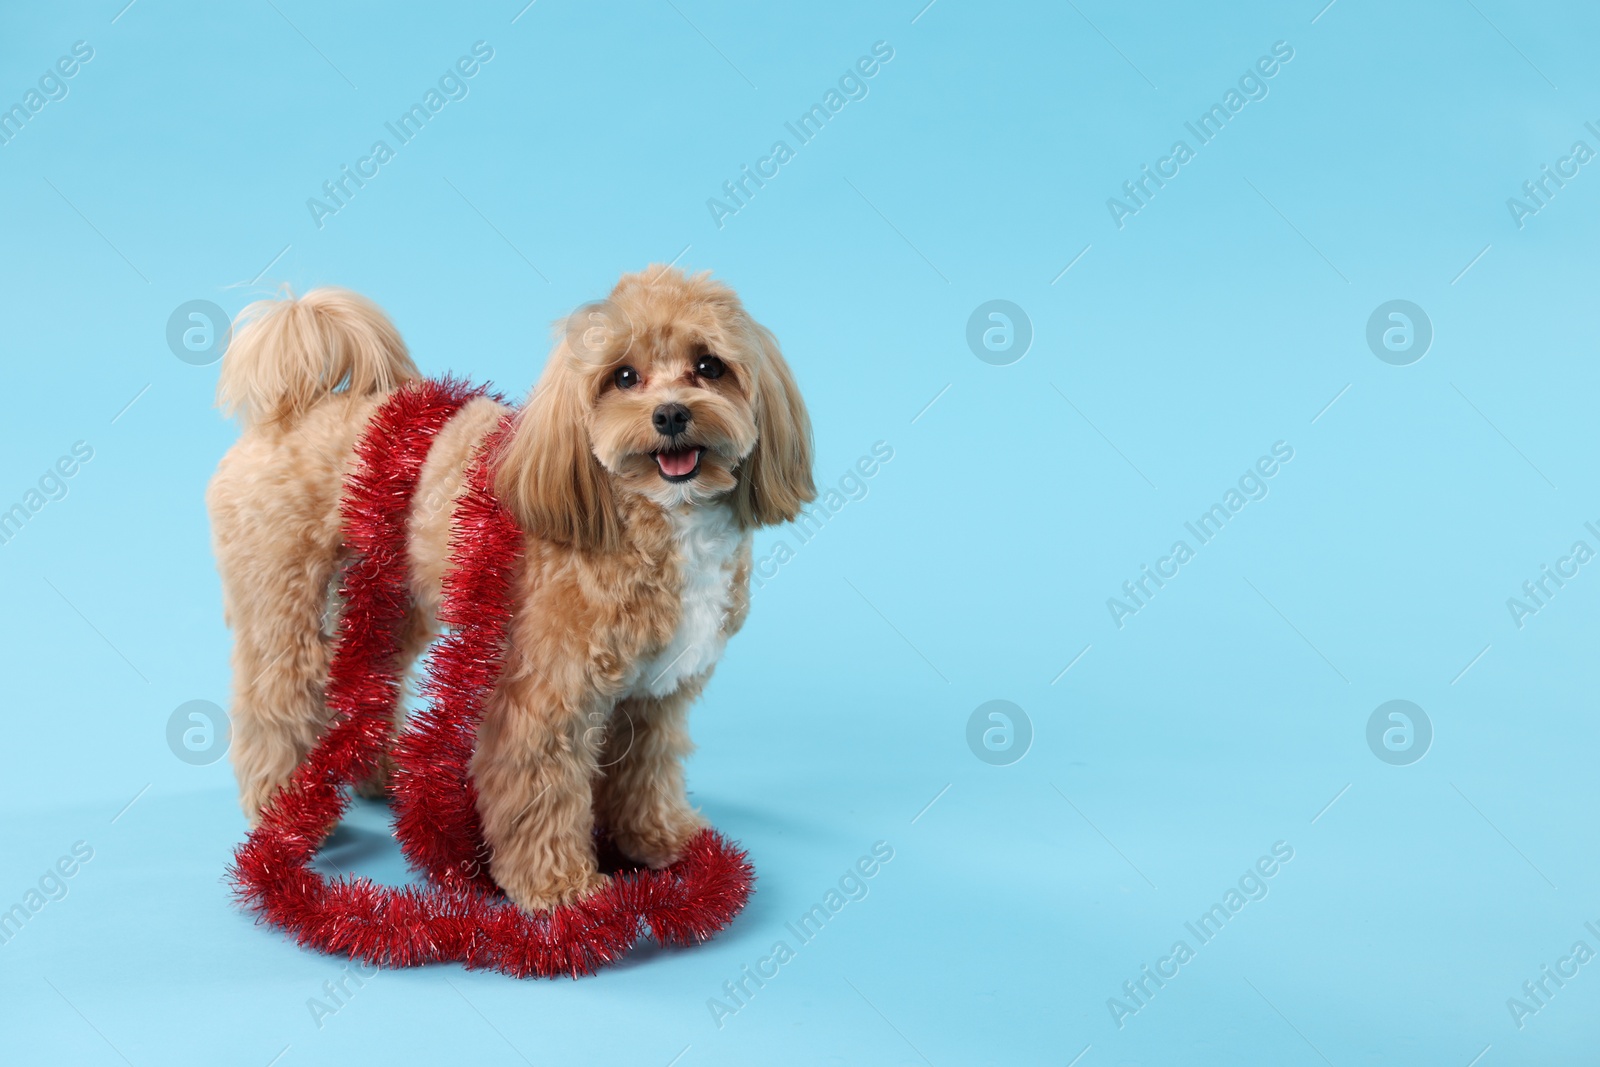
(660, 844)
(552, 893)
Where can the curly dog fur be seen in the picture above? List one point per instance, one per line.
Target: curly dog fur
(665, 428)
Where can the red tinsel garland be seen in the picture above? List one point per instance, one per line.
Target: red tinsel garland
(462, 916)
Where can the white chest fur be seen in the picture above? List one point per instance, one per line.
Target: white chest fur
(707, 540)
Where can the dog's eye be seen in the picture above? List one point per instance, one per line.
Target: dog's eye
(626, 377)
(709, 366)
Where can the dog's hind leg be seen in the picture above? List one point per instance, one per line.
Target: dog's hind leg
(303, 376)
(280, 670)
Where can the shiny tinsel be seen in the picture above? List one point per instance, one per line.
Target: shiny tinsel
(461, 915)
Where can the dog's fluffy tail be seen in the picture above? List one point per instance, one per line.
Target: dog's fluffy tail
(288, 354)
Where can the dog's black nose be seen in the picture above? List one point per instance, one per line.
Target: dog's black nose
(671, 419)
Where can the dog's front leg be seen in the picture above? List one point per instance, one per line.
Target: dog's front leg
(533, 768)
(642, 800)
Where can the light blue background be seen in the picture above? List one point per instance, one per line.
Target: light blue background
(1224, 317)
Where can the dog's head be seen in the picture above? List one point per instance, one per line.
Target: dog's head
(667, 390)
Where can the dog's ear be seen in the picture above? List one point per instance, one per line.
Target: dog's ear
(548, 476)
(775, 481)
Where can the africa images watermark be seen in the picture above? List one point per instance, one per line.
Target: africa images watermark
(51, 86)
(52, 485)
(1538, 192)
(331, 1002)
(999, 732)
(1538, 592)
(1252, 87)
(852, 886)
(52, 885)
(1537, 992)
(852, 85)
(452, 85)
(1252, 886)
(851, 485)
(1252, 485)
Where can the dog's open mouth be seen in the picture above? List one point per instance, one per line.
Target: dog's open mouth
(679, 466)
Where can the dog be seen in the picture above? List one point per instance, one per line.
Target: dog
(665, 428)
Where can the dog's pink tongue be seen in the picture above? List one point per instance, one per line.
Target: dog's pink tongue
(677, 464)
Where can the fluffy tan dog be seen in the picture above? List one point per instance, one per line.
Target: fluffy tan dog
(665, 428)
